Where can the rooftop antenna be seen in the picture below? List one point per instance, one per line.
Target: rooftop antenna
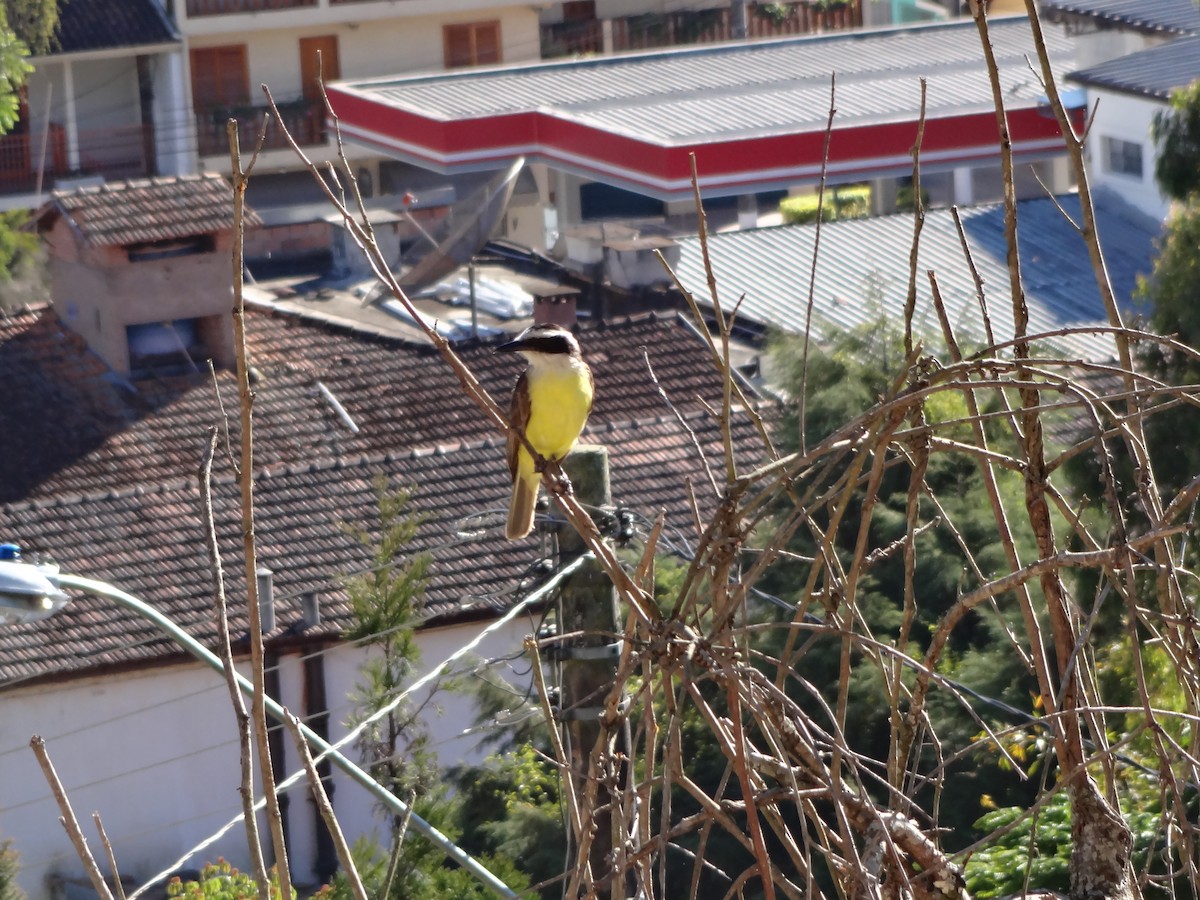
(470, 225)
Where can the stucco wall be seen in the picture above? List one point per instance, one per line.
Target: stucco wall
(377, 47)
(384, 47)
(98, 292)
(156, 754)
(1127, 118)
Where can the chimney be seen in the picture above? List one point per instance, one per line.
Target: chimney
(555, 309)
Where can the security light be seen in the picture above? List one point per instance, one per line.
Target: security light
(28, 592)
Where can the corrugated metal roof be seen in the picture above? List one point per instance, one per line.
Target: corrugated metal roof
(744, 87)
(1179, 16)
(863, 271)
(1155, 72)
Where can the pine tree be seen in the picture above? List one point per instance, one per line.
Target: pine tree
(386, 602)
(8, 873)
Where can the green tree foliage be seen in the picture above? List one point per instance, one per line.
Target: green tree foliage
(22, 24)
(13, 67)
(842, 202)
(1170, 294)
(8, 873)
(433, 878)
(386, 601)
(509, 808)
(1036, 845)
(220, 881)
(1177, 132)
(19, 247)
(845, 377)
(35, 23)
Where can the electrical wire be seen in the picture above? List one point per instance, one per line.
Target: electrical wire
(353, 734)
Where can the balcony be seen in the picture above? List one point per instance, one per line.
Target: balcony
(119, 152)
(703, 26)
(196, 8)
(305, 120)
(572, 38)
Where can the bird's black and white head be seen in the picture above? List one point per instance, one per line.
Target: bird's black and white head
(544, 344)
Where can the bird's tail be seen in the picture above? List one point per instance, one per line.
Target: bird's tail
(520, 508)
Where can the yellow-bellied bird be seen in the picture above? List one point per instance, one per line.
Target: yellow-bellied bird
(550, 405)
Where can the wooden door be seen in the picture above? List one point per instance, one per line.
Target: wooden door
(312, 71)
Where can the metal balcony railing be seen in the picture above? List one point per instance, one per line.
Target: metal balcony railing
(117, 152)
(699, 26)
(224, 7)
(305, 120)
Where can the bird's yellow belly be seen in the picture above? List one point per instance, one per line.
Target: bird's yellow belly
(558, 408)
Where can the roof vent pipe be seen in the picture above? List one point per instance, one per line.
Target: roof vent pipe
(310, 610)
(266, 599)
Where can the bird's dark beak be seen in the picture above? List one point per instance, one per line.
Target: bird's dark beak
(509, 347)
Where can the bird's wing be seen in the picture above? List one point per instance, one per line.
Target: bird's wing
(518, 415)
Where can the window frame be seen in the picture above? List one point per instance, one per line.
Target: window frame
(472, 32)
(1124, 158)
(215, 61)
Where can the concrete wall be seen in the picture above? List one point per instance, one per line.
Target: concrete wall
(155, 753)
(98, 292)
(1126, 118)
(367, 48)
(325, 17)
(386, 47)
(101, 94)
(1099, 46)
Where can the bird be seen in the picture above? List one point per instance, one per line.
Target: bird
(550, 405)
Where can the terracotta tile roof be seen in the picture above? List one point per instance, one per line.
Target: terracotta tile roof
(103, 24)
(102, 476)
(108, 435)
(149, 541)
(147, 209)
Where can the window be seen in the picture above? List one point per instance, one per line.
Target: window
(471, 44)
(1123, 157)
(165, 348)
(169, 249)
(220, 76)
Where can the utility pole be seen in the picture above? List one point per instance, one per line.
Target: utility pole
(588, 610)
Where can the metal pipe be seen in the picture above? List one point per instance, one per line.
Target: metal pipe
(378, 791)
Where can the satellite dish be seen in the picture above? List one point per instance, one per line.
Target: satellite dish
(471, 224)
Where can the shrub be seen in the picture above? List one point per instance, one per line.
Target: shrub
(840, 203)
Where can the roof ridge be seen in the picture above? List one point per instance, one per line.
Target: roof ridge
(116, 186)
(318, 319)
(57, 501)
(25, 309)
(629, 320)
(358, 460)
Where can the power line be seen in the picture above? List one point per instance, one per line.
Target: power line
(353, 735)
